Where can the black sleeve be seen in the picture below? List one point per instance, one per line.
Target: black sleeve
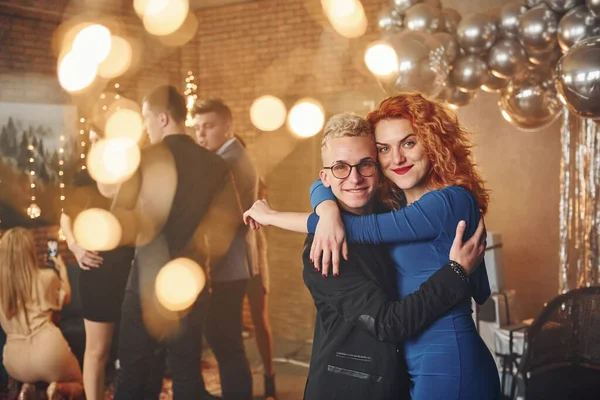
(363, 302)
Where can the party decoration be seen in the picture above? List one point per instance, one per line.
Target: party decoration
(530, 101)
(533, 3)
(509, 19)
(562, 6)
(537, 29)
(507, 58)
(402, 6)
(422, 61)
(576, 25)
(594, 7)
(493, 84)
(451, 19)
(578, 78)
(390, 21)
(424, 18)
(579, 222)
(476, 33)
(469, 72)
(449, 44)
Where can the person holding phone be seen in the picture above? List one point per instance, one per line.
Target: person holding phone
(102, 280)
(35, 349)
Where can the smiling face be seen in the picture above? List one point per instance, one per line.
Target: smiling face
(356, 192)
(402, 157)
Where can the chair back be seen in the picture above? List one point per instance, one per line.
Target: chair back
(566, 333)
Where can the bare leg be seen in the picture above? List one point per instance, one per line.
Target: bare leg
(98, 341)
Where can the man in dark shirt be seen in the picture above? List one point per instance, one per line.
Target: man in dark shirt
(180, 203)
(359, 309)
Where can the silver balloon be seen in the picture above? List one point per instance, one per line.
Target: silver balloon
(448, 41)
(493, 84)
(451, 19)
(476, 33)
(594, 7)
(578, 78)
(507, 58)
(509, 19)
(530, 101)
(469, 72)
(390, 21)
(423, 63)
(533, 3)
(402, 6)
(546, 58)
(537, 29)
(424, 18)
(562, 6)
(577, 25)
(455, 97)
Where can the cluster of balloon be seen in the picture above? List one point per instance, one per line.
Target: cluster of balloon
(534, 54)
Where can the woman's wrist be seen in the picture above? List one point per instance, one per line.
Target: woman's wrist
(327, 208)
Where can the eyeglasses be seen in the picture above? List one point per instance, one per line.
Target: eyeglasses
(343, 170)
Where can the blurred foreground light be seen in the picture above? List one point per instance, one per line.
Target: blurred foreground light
(118, 60)
(76, 71)
(112, 161)
(185, 33)
(163, 17)
(93, 41)
(381, 59)
(268, 113)
(96, 229)
(347, 17)
(179, 283)
(124, 123)
(306, 118)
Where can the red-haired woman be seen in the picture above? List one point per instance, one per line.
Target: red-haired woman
(430, 184)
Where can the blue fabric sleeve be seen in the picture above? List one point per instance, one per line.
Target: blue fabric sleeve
(424, 220)
(319, 193)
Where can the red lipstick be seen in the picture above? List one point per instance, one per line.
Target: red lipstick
(402, 171)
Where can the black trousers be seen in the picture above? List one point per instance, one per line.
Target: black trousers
(140, 354)
(224, 335)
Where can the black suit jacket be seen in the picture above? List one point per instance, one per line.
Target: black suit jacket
(359, 323)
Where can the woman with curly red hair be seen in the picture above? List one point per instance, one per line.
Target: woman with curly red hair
(429, 183)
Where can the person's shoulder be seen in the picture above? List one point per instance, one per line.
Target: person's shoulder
(453, 193)
(47, 276)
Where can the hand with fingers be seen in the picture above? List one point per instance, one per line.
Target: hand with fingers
(86, 259)
(258, 214)
(470, 253)
(329, 243)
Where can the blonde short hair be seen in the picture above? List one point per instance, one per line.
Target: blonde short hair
(346, 125)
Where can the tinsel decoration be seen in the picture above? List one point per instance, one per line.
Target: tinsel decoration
(579, 203)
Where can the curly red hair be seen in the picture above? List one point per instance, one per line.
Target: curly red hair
(446, 143)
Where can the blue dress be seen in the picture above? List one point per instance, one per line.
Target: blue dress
(449, 360)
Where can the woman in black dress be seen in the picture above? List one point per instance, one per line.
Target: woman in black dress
(102, 281)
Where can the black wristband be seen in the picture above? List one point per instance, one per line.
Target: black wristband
(456, 267)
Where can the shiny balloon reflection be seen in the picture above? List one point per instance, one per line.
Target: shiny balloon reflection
(530, 101)
(575, 26)
(476, 33)
(422, 64)
(578, 78)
